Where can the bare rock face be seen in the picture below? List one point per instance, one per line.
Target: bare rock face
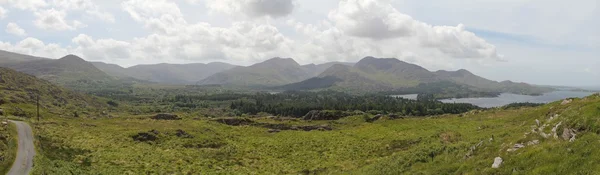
(568, 134)
(566, 101)
(497, 162)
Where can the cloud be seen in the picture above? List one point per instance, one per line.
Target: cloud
(102, 49)
(52, 19)
(35, 47)
(15, 29)
(25, 4)
(252, 8)
(379, 20)
(3, 12)
(84, 5)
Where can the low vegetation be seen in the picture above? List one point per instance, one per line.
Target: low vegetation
(447, 144)
(8, 145)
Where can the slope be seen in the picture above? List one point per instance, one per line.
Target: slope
(19, 92)
(10, 57)
(166, 73)
(275, 71)
(390, 74)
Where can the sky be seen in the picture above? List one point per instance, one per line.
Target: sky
(547, 42)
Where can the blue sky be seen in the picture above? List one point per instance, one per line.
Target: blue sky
(535, 41)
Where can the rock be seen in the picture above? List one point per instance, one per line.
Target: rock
(146, 136)
(544, 135)
(537, 122)
(566, 101)
(569, 134)
(4, 123)
(182, 134)
(497, 162)
(273, 130)
(166, 117)
(533, 142)
(375, 118)
(556, 128)
(516, 147)
(1, 112)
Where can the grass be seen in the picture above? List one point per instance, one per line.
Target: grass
(8, 146)
(431, 145)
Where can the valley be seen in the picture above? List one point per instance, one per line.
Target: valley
(280, 117)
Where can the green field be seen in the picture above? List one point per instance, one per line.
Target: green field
(447, 144)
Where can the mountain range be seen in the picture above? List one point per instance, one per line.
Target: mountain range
(370, 74)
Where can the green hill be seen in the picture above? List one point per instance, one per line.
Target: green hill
(19, 94)
(273, 72)
(390, 74)
(166, 73)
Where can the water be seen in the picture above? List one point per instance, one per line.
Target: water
(407, 96)
(507, 98)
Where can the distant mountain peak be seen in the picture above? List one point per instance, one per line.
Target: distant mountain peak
(71, 57)
(281, 61)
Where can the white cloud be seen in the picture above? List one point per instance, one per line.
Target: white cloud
(102, 49)
(35, 47)
(3, 12)
(25, 4)
(379, 20)
(84, 5)
(252, 8)
(15, 29)
(52, 19)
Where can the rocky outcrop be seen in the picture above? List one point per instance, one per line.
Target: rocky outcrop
(516, 147)
(182, 134)
(149, 136)
(374, 118)
(497, 162)
(566, 101)
(568, 134)
(533, 142)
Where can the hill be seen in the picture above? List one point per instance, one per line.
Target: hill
(390, 74)
(10, 57)
(166, 73)
(68, 69)
(19, 91)
(275, 71)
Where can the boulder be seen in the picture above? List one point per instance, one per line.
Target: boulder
(375, 118)
(537, 122)
(497, 162)
(146, 136)
(166, 117)
(533, 142)
(555, 128)
(516, 147)
(568, 134)
(182, 134)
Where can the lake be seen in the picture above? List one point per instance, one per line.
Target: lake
(507, 98)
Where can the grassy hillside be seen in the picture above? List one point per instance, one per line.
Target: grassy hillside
(273, 72)
(390, 74)
(448, 144)
(19, 93)
(10, 57)
(166, 73)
